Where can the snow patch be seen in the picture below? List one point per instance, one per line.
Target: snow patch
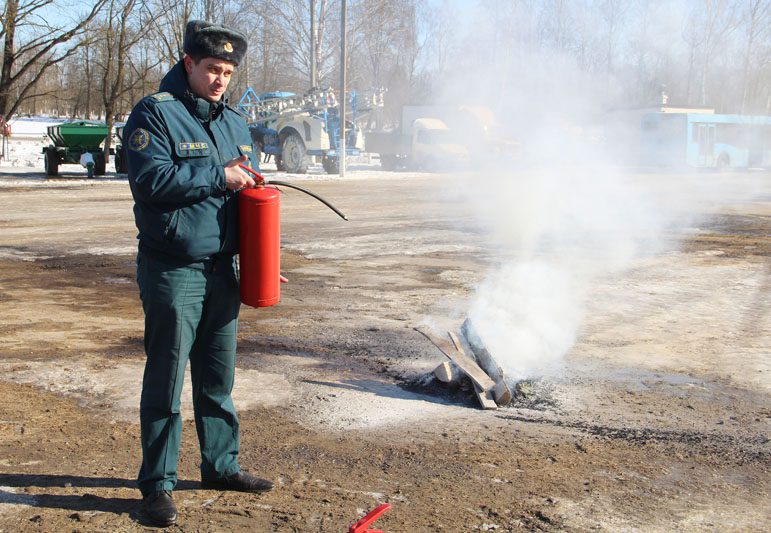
(365, 403)
(91, 381)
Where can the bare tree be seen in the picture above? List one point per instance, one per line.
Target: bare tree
(166, 24)
(46, 44)
(117, 40)
(710, 22)
(613, 13)
(555, 24)
(286, 24)
(145, 72)
(639, 52)
(718, 52)
(756, 19)
(379, 32)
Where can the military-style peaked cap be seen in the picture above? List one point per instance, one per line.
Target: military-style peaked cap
(204, 39)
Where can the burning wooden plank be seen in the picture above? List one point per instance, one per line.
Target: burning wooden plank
(485, 397)
(467, 365)
(486, 361)
(445, 372)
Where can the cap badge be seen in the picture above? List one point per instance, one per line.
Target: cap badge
(228, 47)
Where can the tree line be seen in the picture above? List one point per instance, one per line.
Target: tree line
(95, 59)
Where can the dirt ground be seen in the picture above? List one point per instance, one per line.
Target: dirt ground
(658, 421)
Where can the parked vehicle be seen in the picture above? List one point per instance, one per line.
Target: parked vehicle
(293, 128)
(705, 140)
(438, 138)
(428, 145)
(71, 141)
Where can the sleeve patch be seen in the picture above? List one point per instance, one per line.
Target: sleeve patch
(139, 140)
(246, 148)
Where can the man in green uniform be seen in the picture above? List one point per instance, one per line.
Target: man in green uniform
(184, 148)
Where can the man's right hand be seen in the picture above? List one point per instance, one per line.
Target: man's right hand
(235, 178)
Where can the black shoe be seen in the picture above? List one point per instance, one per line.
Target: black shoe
(159, 508)
(240, 481)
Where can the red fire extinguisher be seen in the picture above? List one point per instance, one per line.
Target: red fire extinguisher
(260, 240)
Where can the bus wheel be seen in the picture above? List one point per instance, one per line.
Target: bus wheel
(723, 160)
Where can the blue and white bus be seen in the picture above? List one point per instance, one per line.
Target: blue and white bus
(705, 140)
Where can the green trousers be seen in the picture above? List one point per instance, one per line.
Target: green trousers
(191, 312)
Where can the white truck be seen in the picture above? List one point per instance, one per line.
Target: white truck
(435, 138)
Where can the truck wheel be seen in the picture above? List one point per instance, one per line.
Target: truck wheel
(100, 165)
(256, 136)
(293, 156)
(120, 161)
(330, 165)
(388, 161)
(51, 162)
(258, 153)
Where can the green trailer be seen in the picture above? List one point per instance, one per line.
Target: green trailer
(73, 139)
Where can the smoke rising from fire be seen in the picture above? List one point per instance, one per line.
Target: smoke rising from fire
(558, 228)
(562, 215)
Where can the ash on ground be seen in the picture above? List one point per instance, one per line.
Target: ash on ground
(460, 391)
(537, 394)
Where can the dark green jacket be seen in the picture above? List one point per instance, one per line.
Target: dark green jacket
(177, 145)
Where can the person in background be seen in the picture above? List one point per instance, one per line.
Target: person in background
(87, 162)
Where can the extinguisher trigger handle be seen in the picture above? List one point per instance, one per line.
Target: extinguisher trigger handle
(259, 179)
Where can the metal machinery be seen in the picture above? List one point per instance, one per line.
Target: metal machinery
(290, 127)
(72, 140)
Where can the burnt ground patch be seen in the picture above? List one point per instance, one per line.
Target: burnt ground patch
(732, 448)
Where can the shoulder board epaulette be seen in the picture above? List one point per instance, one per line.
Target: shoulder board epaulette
(163, 97)
(238, 112)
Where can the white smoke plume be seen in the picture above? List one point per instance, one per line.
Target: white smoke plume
(559, 228)
(563, 215)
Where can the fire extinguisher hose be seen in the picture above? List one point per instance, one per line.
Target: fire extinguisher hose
(309, 193)
(262, 180)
